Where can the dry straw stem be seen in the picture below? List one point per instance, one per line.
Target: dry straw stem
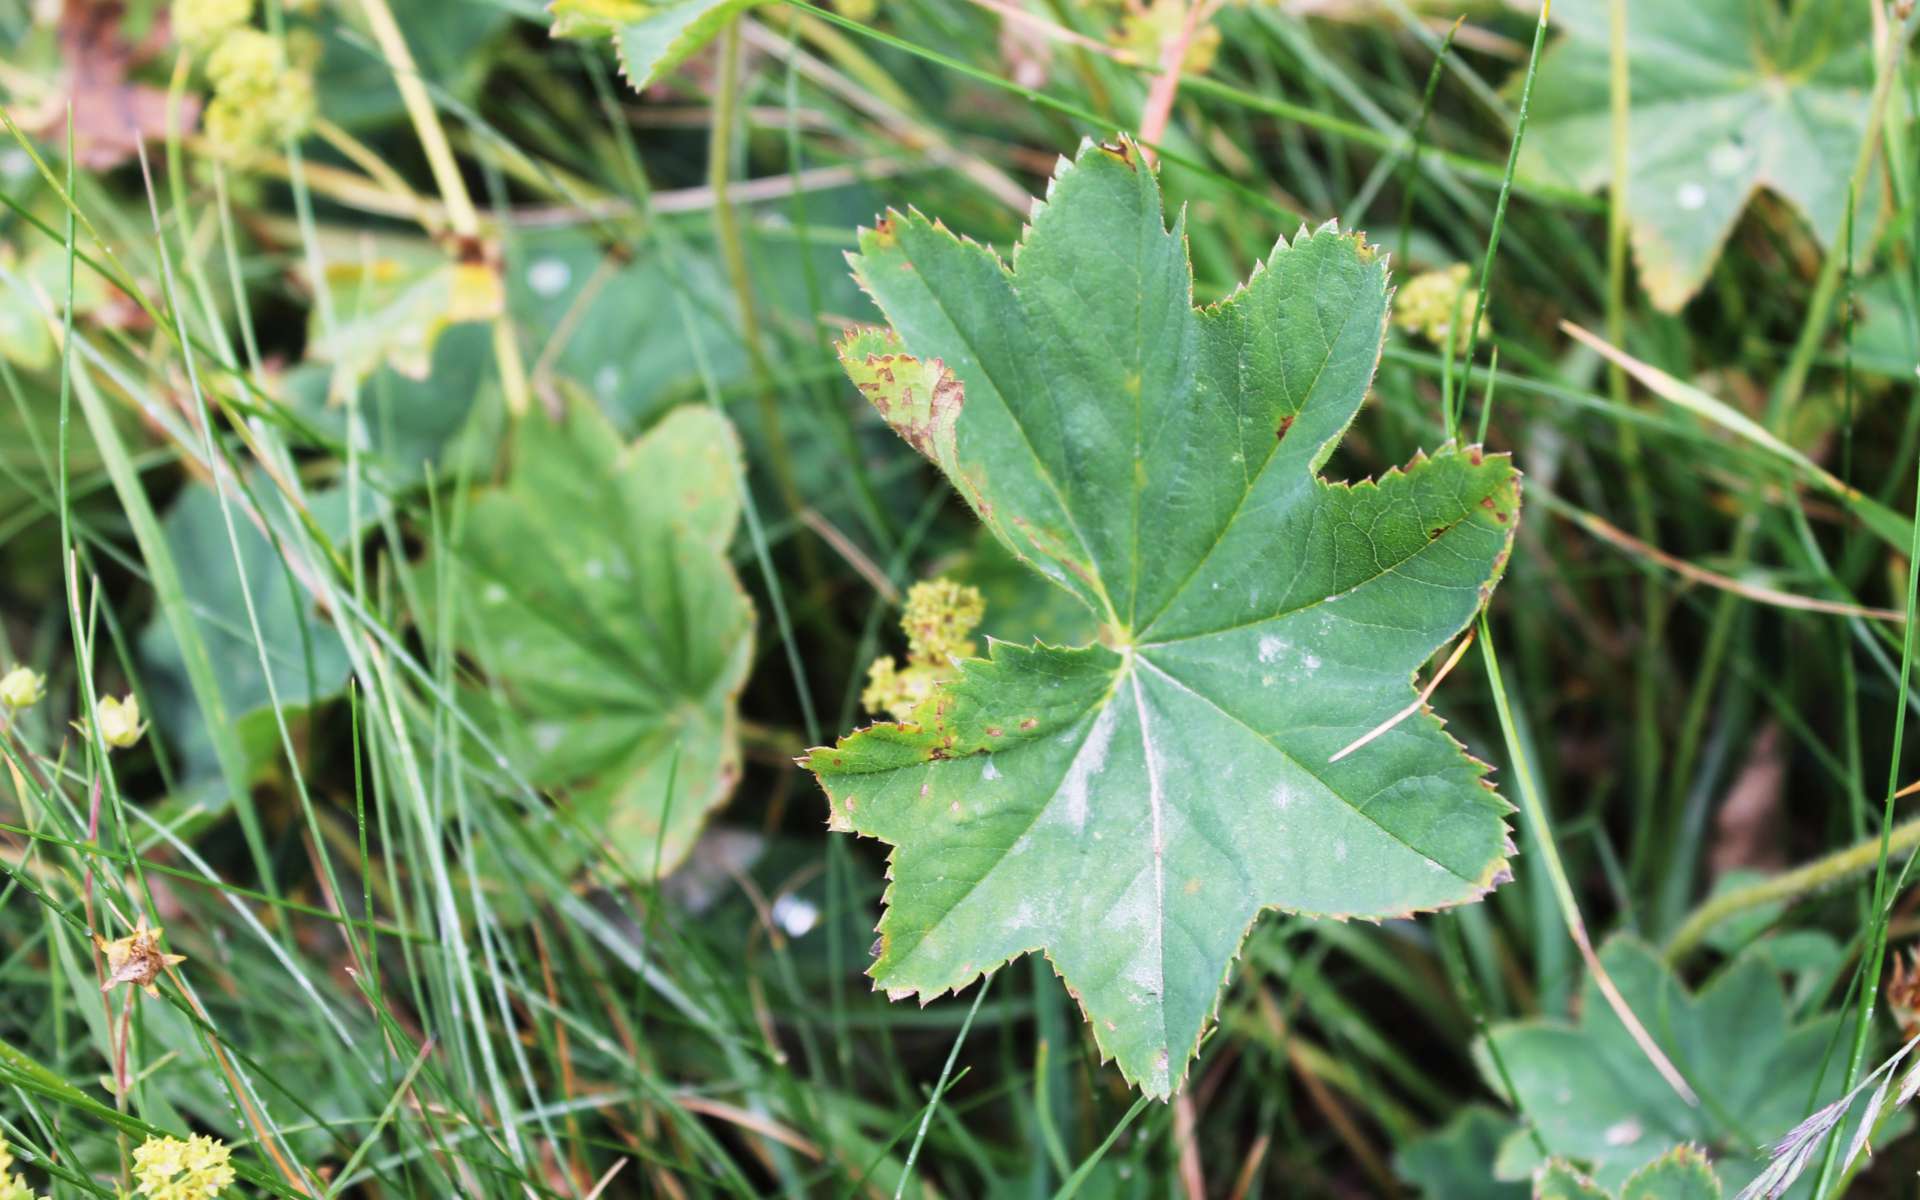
(462, 219)
(1698, 402)
(910, 130)
(1173, 53)
(1536, 814)
(1620, 538)
(1420, 701)
(1057, 32)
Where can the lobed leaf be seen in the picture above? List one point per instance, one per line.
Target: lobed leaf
(650, 39)
(1593, 1097)
(1130, 806)
(595, 586)
(1724, 102)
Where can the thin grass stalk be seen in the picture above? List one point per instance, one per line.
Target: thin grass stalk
(1536, 814)
(1875, 952)
(1500, 211)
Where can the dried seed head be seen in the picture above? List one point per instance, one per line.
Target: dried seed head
(136, 958)
(1903, 992)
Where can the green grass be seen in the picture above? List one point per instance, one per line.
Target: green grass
(414, 967)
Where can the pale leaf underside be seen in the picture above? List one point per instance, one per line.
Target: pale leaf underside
(1722, 106)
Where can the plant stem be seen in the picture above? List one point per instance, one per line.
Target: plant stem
(1536, 814)
(1500, 214)
(1875, 951)
(1173, 55)
(1411, 184)
(1788, 886)
(1646, 696)
(733, 250)
(463, 220)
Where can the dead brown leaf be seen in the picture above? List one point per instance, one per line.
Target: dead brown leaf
(1749, 825)
(112, 114)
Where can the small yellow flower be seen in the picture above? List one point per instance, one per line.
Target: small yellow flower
(170, 1169)
(897, 691)
(136, 958)
(12, 1187)
(939, 615)
(289, 110)
(1146, 27)
(198, 23)
(119, 721)
(247, 63)
(260, 97)
(1426, 304)
(21, 688)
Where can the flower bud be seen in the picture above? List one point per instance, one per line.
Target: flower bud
(21, 688)
(119, 721)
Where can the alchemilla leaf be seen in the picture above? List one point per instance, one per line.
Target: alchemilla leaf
(1725, 100)
(1130, 806)
(651, 38)
(1592, 1096)
(595, 588)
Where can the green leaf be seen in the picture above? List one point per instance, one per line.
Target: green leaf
(1726, 99)
(1130, 806)
(1682, 1173)
(448, 421)
(1593, 1096)
(1560, 1180)
(596, 589)
(1455, 1162)
(651, 39)
(1021, 605)
(449, 40)
(294, 635)
(390, 309)
(1886, 338)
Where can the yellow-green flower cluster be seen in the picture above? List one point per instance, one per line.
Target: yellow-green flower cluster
(1145, 28)
(939, 615)
(1426, 305)
(12, 1187)
(198, 24)
(170, 1169)
(21, 688)
(260, 97)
